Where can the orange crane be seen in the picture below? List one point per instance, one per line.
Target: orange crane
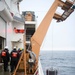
(39, 35)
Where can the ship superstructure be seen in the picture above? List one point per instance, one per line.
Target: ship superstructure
(30, 25)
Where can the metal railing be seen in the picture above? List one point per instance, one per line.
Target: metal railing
(36, 72)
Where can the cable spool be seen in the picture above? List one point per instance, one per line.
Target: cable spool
(51, 72)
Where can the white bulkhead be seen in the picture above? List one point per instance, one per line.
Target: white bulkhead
(10, 19)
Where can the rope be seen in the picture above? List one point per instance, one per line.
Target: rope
(52, 46)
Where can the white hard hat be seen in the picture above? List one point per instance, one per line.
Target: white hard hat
(14, 47)
(6, 47)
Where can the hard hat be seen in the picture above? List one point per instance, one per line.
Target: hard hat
(6, 47)
(20, 48)
(14, 47)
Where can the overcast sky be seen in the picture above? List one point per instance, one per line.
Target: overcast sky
(60, 36)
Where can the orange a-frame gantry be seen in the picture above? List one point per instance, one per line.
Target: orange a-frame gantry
(38, 37)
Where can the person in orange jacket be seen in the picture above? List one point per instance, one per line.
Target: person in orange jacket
(5, 58)
(14, 59)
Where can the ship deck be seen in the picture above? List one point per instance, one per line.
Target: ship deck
(9, 73)
(5, 73)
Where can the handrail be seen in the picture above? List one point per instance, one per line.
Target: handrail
(36, 72)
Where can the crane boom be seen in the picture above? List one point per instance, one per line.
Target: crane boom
(40, 33)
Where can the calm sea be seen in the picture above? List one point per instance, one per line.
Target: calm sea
(63, 61)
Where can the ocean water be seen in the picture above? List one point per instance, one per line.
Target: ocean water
(63, 61)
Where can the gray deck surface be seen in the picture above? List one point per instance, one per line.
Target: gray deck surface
(8, 72)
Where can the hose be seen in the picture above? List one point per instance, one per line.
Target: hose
(32, 55)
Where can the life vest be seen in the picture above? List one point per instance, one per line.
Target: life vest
(14, 54)
(4, 53)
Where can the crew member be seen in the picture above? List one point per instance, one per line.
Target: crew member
(14, 59)
(20, 52)
(5, 58)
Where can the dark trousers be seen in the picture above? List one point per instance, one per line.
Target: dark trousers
(13, 65)
(5, 65)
